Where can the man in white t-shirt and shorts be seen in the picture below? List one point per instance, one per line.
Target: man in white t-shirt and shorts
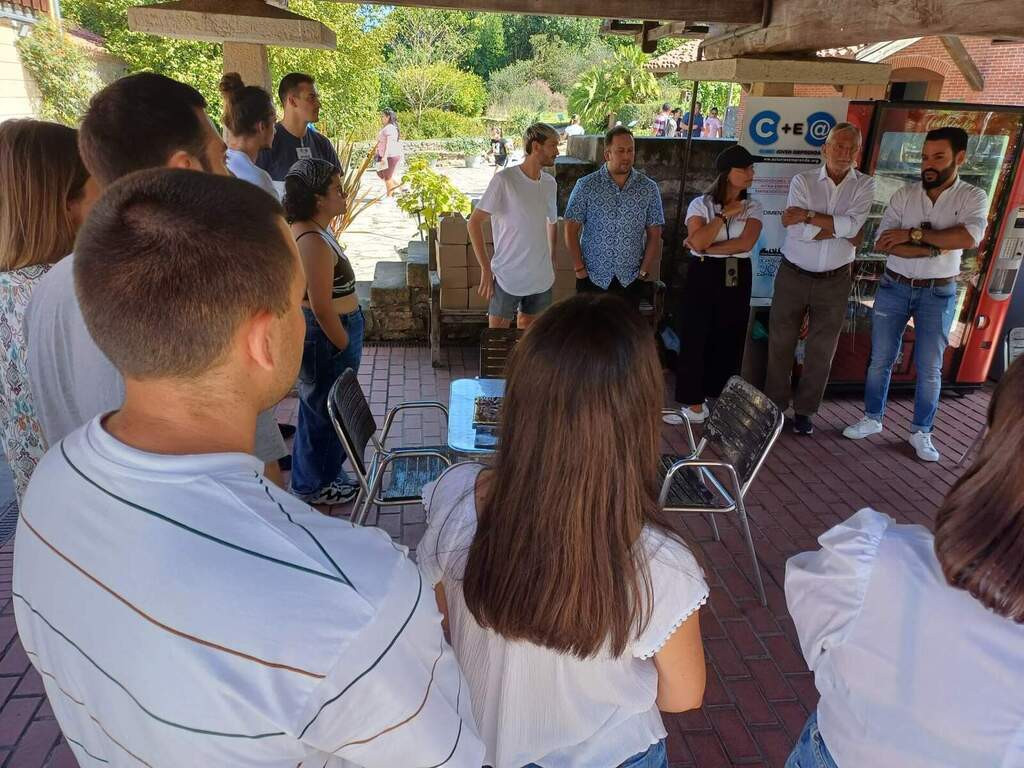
(521, 203)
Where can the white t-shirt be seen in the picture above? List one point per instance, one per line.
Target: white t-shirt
(712, 128)
(910, 206)
(912, 672)
(574, 129)
(244, 168)
(183, 610)
(520, 209)
(533, 704)
(706, 208)
(387, 138)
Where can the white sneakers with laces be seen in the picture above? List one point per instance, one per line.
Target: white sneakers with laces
(685, 412)
(863, 428)
(922, 442)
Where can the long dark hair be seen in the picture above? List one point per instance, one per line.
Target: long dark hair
(557, 558)
(720, 188)
(245, 106)
(392, 119)
(979, 529)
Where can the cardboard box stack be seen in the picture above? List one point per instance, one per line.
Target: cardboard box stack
(457, 265)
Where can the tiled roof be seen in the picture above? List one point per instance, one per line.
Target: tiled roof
(40, 6)
(670, 60)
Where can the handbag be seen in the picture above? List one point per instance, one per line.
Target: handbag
(380, 163)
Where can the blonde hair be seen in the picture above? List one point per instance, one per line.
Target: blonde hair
(40, 173)
(537, 133)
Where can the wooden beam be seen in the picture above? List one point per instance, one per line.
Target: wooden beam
(958, 53)
(643, 38)
(673, 29)
(787, 71)
(619, 27)
(240, 21)
(802, 24)
(723, 11)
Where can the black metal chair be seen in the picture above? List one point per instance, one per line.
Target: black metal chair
(741, 429)
(410, 468)
(496, 345)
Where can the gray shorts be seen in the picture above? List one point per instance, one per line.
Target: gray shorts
(505, 304)
(269, 444)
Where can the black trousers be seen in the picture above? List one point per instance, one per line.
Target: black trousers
(712, 328)
(633, 293)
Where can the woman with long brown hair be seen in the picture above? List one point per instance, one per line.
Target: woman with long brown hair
(916, 639)
(47, 193)
(572, 606)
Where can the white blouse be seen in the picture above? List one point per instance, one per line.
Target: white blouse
(706, 208)
(242, 167)
(912, 672)
(536, 705)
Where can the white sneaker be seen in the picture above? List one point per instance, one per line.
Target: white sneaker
(863, 428)
(684, 412)
(922, 442)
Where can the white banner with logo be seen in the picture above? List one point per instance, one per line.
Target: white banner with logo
(788, 134)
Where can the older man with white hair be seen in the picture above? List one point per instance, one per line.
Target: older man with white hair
(824, 221)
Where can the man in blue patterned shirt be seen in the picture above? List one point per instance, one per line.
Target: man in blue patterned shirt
(618, 209)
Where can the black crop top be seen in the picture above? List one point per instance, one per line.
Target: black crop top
(344, 277)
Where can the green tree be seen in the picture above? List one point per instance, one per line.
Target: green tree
(489, 54)
(438, 86)
(419, 36)
(606, 88)
(62, 73)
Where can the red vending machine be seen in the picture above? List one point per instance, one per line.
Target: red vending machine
(892, 153)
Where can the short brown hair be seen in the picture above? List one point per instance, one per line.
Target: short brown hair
(979, 529)
(537, 133)
(290, 82)
(138, 122)
(171, 262)
(245, 106)
(40, 173)
(555, 558)
(618, 130)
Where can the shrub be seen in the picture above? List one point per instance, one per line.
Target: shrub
(438, 124)
(429, 195)
(504, 81)
(517, 121)
(61, 70)
(436, 86)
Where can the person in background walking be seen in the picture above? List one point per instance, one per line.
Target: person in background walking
(499, 149)
(661, 120)
(574, 128)
(712, 125)
(916, 639)
(672, 124)
(618, 210)
(47, 195)
(249, 119)
(722, 226)
(924, 230)
(334, 330)
(293, 138)
(694, 123)
(824, 221)
(389, 151)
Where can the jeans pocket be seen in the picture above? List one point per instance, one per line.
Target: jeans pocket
(308, 368)
(944, 291)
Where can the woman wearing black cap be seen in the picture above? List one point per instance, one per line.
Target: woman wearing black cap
(722, 227)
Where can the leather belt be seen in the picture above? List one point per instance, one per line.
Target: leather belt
(816, 275)
(919, 282)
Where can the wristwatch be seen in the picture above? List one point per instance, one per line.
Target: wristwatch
(916, 235)
(642, 275)
(808, 216)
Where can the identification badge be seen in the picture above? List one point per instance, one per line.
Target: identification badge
(732, 272)
(304, 153)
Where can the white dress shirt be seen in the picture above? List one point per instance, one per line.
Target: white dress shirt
(183, 611)
(912, 672)
(537, 705)
(848, 203)
(910, 206)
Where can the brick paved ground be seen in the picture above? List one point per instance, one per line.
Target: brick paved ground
(759, 690)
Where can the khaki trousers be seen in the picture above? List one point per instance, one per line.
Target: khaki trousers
(824, 299)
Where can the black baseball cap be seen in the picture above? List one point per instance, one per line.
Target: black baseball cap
(734, 157)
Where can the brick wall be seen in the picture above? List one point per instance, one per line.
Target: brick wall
(1001, 65)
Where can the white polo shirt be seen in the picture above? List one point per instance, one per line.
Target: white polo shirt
(910, 206)
(181, 610)
(520, 209)
(848, 203)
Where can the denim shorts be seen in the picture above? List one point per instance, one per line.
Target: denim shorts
(505, 304)
(810, 750)
(655, 756)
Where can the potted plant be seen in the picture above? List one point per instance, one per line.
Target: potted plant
(472, 150)
(429, 195)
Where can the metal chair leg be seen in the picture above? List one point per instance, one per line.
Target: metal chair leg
(753, 553)
(714, 527)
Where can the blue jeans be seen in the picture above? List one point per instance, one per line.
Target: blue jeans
(810, 750)
(932, 310)
(654, 756)
(317, 454)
